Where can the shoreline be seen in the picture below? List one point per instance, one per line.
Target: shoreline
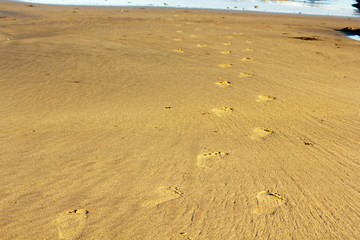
(189, 8)
(211, 10)
(219, 11)
(131, 123)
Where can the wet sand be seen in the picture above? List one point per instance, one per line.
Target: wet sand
(131, 123)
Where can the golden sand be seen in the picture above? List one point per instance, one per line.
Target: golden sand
(112, 126)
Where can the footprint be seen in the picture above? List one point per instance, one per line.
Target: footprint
(249, 41)
(225, 65)
(228, 27)
(178, 25)
(201, 45)
(179, 31)
(179, 50)
(70, 224)
(193, 36)
(246, 74)
(208, 160)
(197, 29)
(164, 194)
(247, 59)
(265, 98)
(238, 34)
(268, 202)
(248, 50)
(178, 39)
(261, 133)
(225, 52)
(223, 84)
(229, 36)
(222, 111)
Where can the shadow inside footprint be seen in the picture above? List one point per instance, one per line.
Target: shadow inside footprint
(223, 83)
(247, 59)
(209, 160)
(70, 224)
(268, 202)
(261, 133)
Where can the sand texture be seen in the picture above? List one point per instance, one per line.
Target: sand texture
(132, 123)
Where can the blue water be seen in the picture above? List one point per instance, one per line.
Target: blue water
(314, 7)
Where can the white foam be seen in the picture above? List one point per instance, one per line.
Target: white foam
(354, 37)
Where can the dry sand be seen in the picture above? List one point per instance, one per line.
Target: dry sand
(130, 123)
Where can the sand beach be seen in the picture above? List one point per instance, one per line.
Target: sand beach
(181, 124)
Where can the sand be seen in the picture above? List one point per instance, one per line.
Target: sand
(131, 123)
